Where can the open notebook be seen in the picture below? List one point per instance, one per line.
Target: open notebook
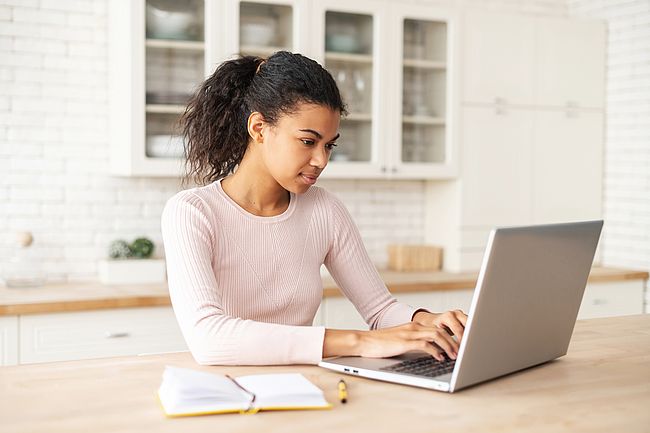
(186, 392)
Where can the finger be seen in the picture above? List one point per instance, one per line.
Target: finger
(429, 348)
(456, 327)
(445, 342)
(462, 317)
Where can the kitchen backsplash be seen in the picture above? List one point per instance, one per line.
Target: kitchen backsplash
(54, 151)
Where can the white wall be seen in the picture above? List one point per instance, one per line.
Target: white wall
(54, 156)
(626, 235)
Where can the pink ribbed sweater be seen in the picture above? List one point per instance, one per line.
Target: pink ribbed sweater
(245, 289)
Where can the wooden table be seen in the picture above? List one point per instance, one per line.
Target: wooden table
(602, 385)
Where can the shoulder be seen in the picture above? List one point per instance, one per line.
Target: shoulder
(323, 196)
(330, 203)
(188, 202)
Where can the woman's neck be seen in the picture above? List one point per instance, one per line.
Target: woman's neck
(258, 194)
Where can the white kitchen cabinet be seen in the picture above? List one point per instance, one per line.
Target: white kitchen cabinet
(154, 65)
(532, 135)
(350, 40)
(567, 166)
(496, 172)
(96, 334)
(426, 92)
(498, 58)
(262, 27)
(620, 298)
(152, 76)
(570, 63)
(8, 340)
(526, 60)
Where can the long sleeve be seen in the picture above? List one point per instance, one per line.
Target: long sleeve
(214, 337)
(352, 269)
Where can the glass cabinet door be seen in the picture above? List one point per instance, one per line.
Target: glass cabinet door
(174, 66)
(424, 91)
(265, 28)
(349, 58)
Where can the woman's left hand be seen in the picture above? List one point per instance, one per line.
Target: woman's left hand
(452, 321)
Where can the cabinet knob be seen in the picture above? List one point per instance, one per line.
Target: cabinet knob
(109, 334)
(383, 169)
(500, 101)
(394, 169)
(599, 301)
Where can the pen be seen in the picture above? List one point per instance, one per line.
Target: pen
(343, 391)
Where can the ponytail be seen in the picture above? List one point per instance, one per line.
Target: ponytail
(214, 124)
(215, 141)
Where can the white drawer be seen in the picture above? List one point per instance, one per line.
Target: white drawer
(96, 334)
(612, 299)
(8, 340)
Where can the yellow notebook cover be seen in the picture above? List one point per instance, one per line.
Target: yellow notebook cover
(186, 392)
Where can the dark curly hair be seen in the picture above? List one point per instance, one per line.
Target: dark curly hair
(214, 124)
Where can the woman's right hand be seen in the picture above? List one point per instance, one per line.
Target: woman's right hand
(386, 342)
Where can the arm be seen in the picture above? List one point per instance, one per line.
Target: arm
(395, 328)
(349, 264)
(212, 336)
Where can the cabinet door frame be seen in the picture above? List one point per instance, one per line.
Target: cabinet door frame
(127, 86)
(377, 166)
(409, 170)
(230, 23)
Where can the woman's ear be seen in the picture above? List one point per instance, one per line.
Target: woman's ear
(256, 124)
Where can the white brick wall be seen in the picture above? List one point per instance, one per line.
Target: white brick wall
(626, 235)
(54, 156)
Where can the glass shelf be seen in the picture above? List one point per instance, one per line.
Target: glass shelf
(176, 45)
(165, 108)
(333, 56)
(424, 64)
(424, 120)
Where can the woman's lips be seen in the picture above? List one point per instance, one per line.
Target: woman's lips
(309, 180)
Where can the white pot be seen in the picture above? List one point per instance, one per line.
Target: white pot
(132, 271)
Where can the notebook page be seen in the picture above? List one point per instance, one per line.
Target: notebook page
(184, 390)
(283, 390)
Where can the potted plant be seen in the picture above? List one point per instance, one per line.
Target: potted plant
(131, 263)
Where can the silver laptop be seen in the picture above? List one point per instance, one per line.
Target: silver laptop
(523, 311)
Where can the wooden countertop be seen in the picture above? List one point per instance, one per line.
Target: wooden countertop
(601, 385)
(92, 295)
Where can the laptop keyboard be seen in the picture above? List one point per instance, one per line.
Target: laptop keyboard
(426, 366)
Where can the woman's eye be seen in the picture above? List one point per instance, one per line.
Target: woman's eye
(307, 141)
(331, 146)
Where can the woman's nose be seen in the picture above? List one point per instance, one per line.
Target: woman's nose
(319, 157)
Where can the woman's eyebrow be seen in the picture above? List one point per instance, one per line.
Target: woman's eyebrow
(318, 134)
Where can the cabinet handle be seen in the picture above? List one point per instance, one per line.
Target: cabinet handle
(500, 101)
(383, 169)
(394, 169)
(599, 301)
(109, 334)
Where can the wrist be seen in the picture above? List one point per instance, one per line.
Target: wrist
(341, 342)
(421, 315)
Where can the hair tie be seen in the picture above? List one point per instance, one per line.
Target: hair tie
(260, 65)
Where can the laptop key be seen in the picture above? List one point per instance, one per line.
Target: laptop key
(426, 366)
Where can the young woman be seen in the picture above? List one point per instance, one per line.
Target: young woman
(244, 251)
